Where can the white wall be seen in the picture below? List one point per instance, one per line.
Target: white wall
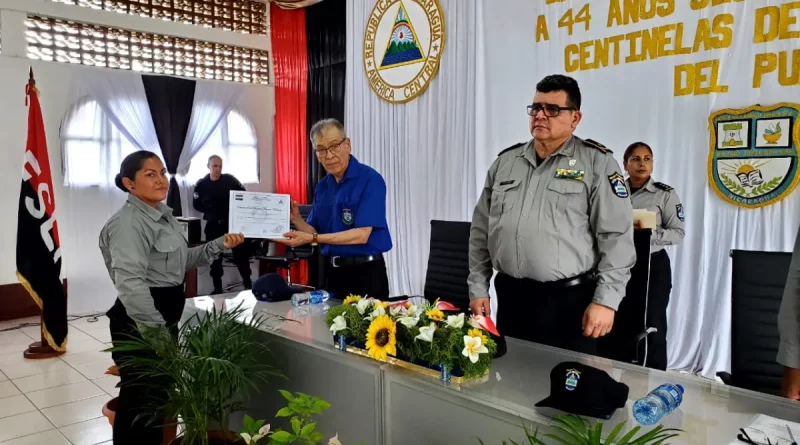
(54, 81)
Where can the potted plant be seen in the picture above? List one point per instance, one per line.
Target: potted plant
(199, 375)
(299, 410)
(575, 430)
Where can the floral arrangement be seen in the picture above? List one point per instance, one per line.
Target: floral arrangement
(424, 335)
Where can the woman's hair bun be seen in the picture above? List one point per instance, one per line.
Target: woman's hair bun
(118, 182)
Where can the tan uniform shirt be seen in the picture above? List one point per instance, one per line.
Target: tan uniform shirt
(144, 247)
(570, 215)
(664, 201)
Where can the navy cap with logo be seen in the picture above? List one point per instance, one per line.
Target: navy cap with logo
(272, 287)
(580, 389)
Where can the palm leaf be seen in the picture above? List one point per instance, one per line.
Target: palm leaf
(625, 440)
(614, 433)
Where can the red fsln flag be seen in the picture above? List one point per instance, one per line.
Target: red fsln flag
(38, 247)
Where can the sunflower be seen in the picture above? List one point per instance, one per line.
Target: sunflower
(381, 338)
(435, 315)
(352, 299)
(382, 304)
(477, 333)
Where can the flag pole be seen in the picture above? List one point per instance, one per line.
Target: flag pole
(40, 349)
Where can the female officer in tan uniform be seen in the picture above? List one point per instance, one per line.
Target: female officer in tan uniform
(147, 257)
(663, 200)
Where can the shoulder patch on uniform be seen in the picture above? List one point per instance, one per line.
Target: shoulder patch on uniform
(662, 186)
(618, 185)
(511, 148)
(679, 210)
(597, 145)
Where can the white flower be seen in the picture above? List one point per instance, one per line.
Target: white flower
(409, 322)
(412, 310)
(456, 321)
(377, 313)
(339, 324)
(473, 347)
(334, 440)
(262, 433)
(394, 310)
(426, 333)
(362, 305)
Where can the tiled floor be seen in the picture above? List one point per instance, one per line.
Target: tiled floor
(56, 401)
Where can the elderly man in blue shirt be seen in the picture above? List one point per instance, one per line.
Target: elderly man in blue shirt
(348, 218)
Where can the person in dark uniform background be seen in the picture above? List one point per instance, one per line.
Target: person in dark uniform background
(348, 218)
(555, 220)
(147, 258)
(212, 197)
(664, 201)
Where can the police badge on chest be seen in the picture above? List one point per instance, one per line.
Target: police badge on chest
(347, 217)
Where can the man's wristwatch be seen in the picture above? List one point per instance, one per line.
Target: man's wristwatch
(315, 241)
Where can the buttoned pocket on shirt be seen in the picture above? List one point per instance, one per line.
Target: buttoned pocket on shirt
(565, 196)
(166, 256)
(503, 196)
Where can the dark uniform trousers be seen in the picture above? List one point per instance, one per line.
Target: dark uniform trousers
(547, 313)
(133, 398)
(241, 255)
(658, 292)
(368, 279)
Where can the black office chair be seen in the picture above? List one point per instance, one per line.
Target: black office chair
(291, 255)
(757, 283)
(448, 263)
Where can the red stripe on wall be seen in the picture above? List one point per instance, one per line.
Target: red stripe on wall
(290, 60)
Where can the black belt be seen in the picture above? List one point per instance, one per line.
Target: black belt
(349, 261)
(580, 280)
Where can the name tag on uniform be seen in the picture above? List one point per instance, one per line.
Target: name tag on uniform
(569, 174)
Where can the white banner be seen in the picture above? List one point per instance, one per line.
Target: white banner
(650, 70)
(654, 70)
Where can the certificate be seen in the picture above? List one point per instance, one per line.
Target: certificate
(259, 215)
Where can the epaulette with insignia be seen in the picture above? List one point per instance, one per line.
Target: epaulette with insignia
(662, 186)
(511, 148)
(597, 145)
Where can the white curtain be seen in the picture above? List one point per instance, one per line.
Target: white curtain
(122, 97)
(213, 101)
(424, 149)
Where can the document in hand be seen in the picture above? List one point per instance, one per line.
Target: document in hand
(259, 215)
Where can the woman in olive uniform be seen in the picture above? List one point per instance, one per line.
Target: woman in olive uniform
(663, 200)
(147, 257)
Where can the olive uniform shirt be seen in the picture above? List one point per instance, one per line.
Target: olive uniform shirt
(144, 247)
(568, 216)
(664, 201)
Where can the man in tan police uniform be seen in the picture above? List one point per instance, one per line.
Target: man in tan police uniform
(555, 220)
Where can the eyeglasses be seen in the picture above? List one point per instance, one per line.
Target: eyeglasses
(549, 110)
(753, 436)
(322, 153)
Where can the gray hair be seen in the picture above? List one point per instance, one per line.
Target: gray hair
(316, 129)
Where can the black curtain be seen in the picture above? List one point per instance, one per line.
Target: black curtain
(170, 100)
(326, 34)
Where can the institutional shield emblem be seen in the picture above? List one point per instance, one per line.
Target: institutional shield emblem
(754, 153)
(347, 217)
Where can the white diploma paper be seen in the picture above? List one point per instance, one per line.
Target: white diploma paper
(646, 217)
(259, 215)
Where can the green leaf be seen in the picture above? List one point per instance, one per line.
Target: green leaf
(296, 425)
(614, 433)
(627, 438)
(317, 436)
(282, 437)
(247, 422)
(308, 429)
(287, 395)
(284, 412)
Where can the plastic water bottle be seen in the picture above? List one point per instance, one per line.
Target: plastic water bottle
(313, 297)
(661, 401)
